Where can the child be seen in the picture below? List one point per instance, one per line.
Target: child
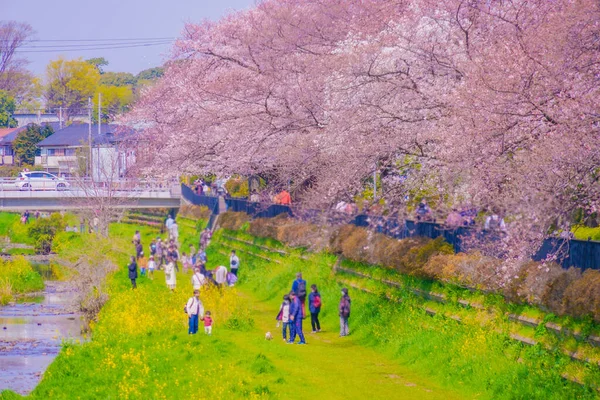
(143, 264)
(207, 323)
(186, 262)
(284, 316)
(151, 267)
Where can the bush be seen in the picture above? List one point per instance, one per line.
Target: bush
(266, 227)
(233, 220)
(415, 259)
(582, 296)
(17, 276)
(471, 269)
(43, 230)
(237, 187)
(194, 212)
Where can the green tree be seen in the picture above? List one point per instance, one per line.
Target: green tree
(7, 109)
(98, 62)
(43, 231)
(117, 79)
(69, 84)
(25, 144)
(151, 73)
(115, 100)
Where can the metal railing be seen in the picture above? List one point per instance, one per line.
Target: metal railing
(567, 252)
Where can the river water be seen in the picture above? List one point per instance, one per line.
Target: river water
(31, 334)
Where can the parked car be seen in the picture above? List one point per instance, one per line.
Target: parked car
(38, 180)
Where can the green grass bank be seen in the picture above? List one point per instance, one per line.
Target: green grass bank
(140, 347)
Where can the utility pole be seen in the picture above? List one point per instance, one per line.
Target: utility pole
(99, 113)
(60, 118)
(375, 182)
(99, 132)
(90, 135)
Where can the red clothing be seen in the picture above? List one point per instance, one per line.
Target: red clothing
(207, 321)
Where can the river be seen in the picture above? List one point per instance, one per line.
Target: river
(31, 334)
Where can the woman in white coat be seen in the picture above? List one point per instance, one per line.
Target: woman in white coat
(170, 274)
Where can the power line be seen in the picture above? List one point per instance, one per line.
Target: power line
(92, 45)
(94, 48)
(95, 40)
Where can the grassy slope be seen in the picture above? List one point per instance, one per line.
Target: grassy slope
(455, 354)
(140, 349)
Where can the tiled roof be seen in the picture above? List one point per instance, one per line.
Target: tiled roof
(78, 134)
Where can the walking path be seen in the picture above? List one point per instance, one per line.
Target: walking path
(333, 368)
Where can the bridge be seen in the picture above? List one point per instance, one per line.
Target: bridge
(78, 194)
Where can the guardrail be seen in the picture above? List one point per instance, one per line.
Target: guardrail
(9, 184)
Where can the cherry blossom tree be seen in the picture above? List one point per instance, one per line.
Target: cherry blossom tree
(494, 104)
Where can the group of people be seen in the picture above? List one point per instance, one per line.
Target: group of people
(292, 311)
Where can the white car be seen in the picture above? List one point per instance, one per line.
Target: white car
(39, 180)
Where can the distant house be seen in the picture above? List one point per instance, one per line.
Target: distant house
(26, 118)
(66, 152)
(7, 137)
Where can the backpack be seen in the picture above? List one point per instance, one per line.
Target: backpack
(301, 289)
(316, 301)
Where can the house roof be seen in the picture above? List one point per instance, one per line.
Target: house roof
(76, 135)
(7, 135)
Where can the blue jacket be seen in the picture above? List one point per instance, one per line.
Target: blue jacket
(296, 310)
(296, 284)
(313, 309)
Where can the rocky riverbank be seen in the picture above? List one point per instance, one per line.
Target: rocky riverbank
(32, 330)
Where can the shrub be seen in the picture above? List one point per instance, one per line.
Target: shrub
(233, 220)
(43, 230)
(417, 256)
(553, 297)
(582, 296)
(471, 269)
(266, 227)
(237, 187)
(534, 281)
(17, 276)
(194, 212)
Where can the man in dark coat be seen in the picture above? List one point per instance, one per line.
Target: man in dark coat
(132, 271)
(296, 319)
(299, 287)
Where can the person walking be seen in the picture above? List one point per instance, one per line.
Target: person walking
(208, 323)
(132, 267)
(174, 232)
(143, 264)
(151, 267)
(344, 312)
(314, 305)
(284, 317)
(234, 263)
(194, 310)
(170, 274)
(296, 319)
(169, 223)
(299, 287)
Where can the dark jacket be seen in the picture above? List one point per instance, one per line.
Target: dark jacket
(313, 309)
(296, 285)
(132, 270)
(296, 310)
(345, 302)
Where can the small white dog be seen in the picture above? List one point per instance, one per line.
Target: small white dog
(268, 336)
